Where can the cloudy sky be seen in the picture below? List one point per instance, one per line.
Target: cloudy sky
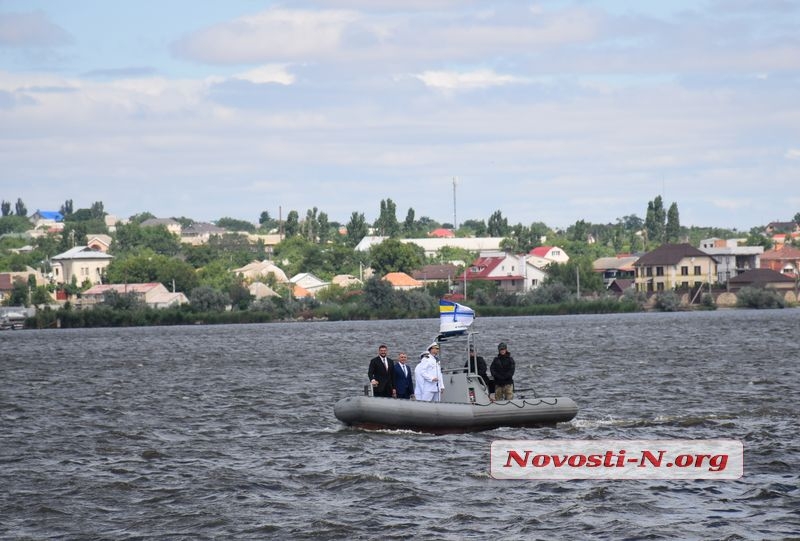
(551, 111)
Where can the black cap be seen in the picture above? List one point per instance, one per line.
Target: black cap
(501, 345)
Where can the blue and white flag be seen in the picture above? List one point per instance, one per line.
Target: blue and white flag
(454, 318)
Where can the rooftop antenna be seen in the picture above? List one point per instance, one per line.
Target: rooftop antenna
(455, 222)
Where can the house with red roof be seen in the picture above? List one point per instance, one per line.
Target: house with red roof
(551, 253)
(511, 273)
(785, 260)
(402, 281)
(442, 233)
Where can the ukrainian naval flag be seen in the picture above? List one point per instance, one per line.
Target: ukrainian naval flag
(454, 318)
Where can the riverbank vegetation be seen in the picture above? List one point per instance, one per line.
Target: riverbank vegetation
(324, 248)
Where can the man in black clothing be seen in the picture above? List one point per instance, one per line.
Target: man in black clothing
(503, 372)
(477, 365)
(381, 373)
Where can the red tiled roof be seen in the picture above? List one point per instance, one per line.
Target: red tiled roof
(787, 252)
(442, 233)
(401, 279)
(540, 251)
(482, 267)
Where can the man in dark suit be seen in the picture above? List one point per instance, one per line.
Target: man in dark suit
(381, 373)
(403, 378)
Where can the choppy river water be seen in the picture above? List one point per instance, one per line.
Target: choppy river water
(227, 432)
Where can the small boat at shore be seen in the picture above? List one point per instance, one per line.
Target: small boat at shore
(467, 405)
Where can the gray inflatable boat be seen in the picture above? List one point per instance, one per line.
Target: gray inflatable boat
(466, 407)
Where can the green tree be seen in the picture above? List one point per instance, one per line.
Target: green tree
(141, 217)
(473, 228)
(310, 225)
(323, 228)
(379, 295)
(217, 275)
(292, 225)
(356, 229)
(131, 238)
(40, 296)
(73, 234)
(19, 293)
(233, 225)
(14, 224)
(266, 222)
(579, 231)
(391, 255)
(151, 267)
(21, 209)
(497, 225)
(673, 228)
(5, 208)
(97, 211)
(409, 225)
(573, 271)
(756, 237)
(387, 224)
(122, 301)
(66, 208)
(655, 220)
(208, 299)
(236, 249)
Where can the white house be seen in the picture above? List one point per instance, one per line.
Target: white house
(81, 262)
(309, 282)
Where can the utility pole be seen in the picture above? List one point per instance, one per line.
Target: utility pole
(455, 222)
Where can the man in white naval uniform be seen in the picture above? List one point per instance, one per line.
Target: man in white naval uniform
(429, 383)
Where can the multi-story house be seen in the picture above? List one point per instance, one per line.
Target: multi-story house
(511, 273)
(81, 262)
(673, 266)
(732, 259)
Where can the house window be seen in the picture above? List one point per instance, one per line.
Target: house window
(534, 282)
(685, 285)
(649, 271)
(684, 271)
(659, 271)
(660, 286)
(650, 287)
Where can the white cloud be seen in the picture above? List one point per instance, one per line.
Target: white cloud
(274, 34)
(793, 154)
(470, 80)
(271, 73)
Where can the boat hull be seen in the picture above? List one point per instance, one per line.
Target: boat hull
(451, 417)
